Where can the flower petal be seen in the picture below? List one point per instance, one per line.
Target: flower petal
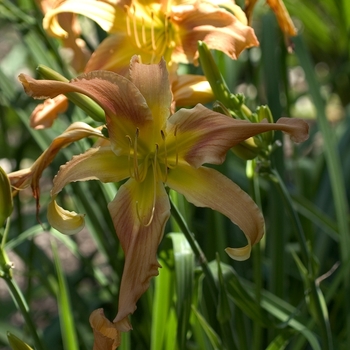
(283, 18)
(106, 335)
(67, 222)
(31, 176)
(205, 187)
(113, 54)
(136, 202)
(102, 12)
(95, 164)
(45, 114)
(218, 28)
(125, 107)
(157, 94)
(190, 89)
(199, 135)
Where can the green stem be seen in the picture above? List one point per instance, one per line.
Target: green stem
(257, 262)
(321, 311)
(6, 274)
(196, 249)
(225, 326)
(23, 307)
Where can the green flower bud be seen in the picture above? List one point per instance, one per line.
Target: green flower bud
(6, 203)
(85, 103)
(16, 343)
(264, 112)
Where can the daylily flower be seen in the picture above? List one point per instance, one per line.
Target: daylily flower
(154, 29)
(153, 150)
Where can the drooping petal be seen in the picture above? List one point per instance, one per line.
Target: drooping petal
(139, 212)
(283, 18)
(156, 93)
(125, 107)
(218, 28)
(31, 176)
(95, 164)
(205, 187)
(104, 13)
(67, 222)
(45, 114)
(199, 135)
(106, 335)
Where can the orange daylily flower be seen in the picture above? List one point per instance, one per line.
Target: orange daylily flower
(155, 29)
(151, 148)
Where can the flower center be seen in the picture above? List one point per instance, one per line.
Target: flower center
(151, 30)
(156, 160)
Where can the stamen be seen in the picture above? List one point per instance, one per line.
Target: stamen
(136, 164)
(128, 30)
(136, 35)
(176, 146)
(143, 31)
(154, 169)
(130, 146)
(154, 46)
(139, 217)
(166, 24)
(166, 156)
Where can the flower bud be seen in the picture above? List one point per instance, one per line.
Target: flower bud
(6, 203)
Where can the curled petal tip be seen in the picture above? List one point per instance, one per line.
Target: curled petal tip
(106, 334)
(67, 222)
(123, 325)
(298, 129)
(239, 254)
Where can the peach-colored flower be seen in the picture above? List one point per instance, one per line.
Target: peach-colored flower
(151, 148)
(154, 29)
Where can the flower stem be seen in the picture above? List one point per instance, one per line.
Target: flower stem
(257, 260)
(6, 274)
(196, 249)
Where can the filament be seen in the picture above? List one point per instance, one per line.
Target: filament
(166, 156)
(143, 31)
(136, 164)
(154, 162)
(130, 146)
(176, 145)
(136, 35)
(154, 46)
(128, 30)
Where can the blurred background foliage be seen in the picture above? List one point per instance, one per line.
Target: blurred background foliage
(262, 303)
